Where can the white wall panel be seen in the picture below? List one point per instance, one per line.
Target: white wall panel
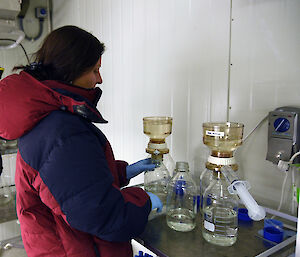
(162, 58)
(265, 74)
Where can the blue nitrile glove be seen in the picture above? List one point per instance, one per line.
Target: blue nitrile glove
(156, 202)
(138, 167)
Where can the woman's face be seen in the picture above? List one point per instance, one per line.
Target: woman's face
(90, 78)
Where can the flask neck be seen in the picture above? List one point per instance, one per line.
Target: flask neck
(181, 170)
(157, 158)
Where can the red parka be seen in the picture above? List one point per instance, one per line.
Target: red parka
(70, 201)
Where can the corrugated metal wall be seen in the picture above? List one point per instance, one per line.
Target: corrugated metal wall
(196, 61)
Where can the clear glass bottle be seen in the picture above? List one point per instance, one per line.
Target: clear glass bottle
(169, 163)
(219, 220)
(181, 200)
(5, 193)
(205, 179)
(8, 146)
(156, 181)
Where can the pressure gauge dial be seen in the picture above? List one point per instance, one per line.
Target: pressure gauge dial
(281, 125)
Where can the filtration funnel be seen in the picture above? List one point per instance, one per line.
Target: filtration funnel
(157, 128)
(222, 137)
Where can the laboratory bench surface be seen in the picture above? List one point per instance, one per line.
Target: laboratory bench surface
(8, 211)
(164, 241)
(13, 246)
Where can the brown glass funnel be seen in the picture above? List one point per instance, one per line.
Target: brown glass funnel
(223, 137)
(157, 128)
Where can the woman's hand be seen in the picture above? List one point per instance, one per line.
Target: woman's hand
(155, 202)
(138, 167)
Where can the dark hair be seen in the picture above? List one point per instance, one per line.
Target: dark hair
(65, 54)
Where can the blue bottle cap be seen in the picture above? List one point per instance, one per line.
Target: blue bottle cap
(273, 234)
(243, 215)
(273, 223)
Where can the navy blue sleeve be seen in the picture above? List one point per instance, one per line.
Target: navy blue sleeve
(73, 166)
(78, 176)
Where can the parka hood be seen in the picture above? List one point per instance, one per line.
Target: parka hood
(24, 101)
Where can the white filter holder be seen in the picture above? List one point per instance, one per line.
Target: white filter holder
(157, 146)
(221, 161)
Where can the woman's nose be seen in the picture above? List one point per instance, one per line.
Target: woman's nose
(99, 79)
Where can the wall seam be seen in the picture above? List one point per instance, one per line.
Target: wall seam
(229, 63)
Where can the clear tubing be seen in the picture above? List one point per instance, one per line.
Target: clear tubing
(20, 35)
(282, 191)
(294, 156)
(281, 214)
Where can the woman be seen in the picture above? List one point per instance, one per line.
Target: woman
(69, 197)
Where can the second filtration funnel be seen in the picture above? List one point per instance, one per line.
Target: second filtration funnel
(220, 185)
(157, 128)
(219, 207)
(223, 138)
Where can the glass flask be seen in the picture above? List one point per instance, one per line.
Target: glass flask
(169, 163)
(205, 179)
(156, 181)
(181, 200)
(207, 175)
(219, 220)
(8, 146)
(5, 193)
